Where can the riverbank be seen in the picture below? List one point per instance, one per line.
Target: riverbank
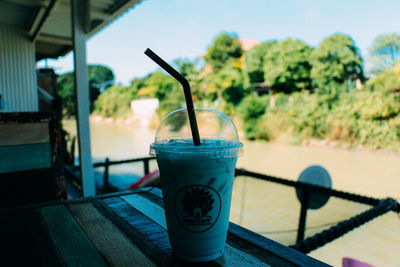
(346, 146)
(313, 142)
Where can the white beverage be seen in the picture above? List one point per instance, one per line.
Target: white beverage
(197, 181)
(197, 190)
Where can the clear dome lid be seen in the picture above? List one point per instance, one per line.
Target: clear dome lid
(217, 132)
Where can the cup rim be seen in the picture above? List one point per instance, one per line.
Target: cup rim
(225, 149)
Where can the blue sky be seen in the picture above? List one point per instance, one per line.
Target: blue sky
(185, 28)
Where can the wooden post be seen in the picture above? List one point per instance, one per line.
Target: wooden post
(79, 18)
(303, 215)
(105, 180)
(146, 166)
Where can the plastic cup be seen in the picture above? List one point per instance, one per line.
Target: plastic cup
(197, 181)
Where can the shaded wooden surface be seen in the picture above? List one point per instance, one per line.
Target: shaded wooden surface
(25, 157)
(126, 229)
(73, 244)
(115, 246)
(31, 165)
(24, 133)
(20, 188)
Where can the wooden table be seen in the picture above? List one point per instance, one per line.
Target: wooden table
(124, 229)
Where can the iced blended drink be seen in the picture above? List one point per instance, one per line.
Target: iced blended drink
(197, 182)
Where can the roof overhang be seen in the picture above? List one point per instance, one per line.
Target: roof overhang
(48, 22)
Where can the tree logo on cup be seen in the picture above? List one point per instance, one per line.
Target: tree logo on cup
(197, 207)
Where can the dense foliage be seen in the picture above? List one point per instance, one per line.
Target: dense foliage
(287, 67)
(387, 80)
(254, 61)
(115, 102)
(359, 117)
(66, 90)
(335, 60)
(312, 91)
(251, 111)
(100, 78)
(226, 84)
(225, 48)
(384, 51)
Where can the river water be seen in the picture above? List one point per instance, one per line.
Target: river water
(273, 210)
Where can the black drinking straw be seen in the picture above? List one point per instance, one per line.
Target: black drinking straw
(186, 89)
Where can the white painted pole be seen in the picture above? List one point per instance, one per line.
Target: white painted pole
(79, 18)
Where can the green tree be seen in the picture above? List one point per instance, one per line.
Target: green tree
(158, 85)
(225, 47)
(336, 60)
(286, 66)
(67, 93)
(100, 78)
(190, 69)
(175, 100)
(251, 110)
(225, 85)
(254, 61)
(384, 51)
(115, 101)
(387, 80)
(231, 84)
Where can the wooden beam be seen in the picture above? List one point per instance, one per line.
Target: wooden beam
(32, 3)
(80, 18)
(94, 12)
(36, 21)
(56, 39)
(43, 19)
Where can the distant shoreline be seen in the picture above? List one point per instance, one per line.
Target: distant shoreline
(131, 121)
(346, 146)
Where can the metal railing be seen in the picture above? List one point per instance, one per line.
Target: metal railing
(71, 170)
(107, 163)
(380, 207)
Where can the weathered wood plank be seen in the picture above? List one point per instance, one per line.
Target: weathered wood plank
(155, 196)
(16, 244)
(43, 244)
(150, 237)
(235, 257)
(25, 157)
(257, 252)
(282, 255)
(5, 211)
(153, 211)
(148, 208)
(24, 133)
(72, 243)
(106, 237)
(157, 192)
